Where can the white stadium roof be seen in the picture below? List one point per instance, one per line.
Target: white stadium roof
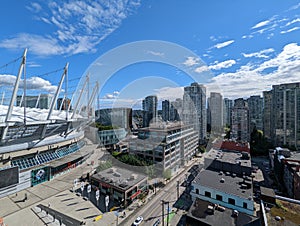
(33, 114)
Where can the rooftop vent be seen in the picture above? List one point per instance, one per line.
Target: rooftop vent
(133, 177)
(235, 213)
(112, 170)
(222, 180)
(116, 174)
(221, 173)
(233, 175)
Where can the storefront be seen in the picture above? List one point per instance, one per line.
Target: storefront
(123, 185)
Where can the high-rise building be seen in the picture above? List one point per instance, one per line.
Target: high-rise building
(215, 109)
(41, 101)
(240, 121)
(256, 106)
(63, 104)
(116, 117)
(194, 108)
(267, 122)
(149, 110)
(285, 114)
(166, 110)
(176, 110)
(228, 105)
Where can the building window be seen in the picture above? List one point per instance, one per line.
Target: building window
(219, 197)
(245, 205)
(231, 201)
(197, 191)
(207, 194)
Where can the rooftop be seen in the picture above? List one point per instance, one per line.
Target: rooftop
(267, 192)
(232, 146)
(121, 178)
(198, 211)
(230, 157)
(226, 182)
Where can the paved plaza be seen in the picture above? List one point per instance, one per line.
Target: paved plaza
(57, 193)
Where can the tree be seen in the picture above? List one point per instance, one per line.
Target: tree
(167, 174)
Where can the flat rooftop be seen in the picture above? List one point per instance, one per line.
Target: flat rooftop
(198, 212)
(226, 182)
(231, 157)
(119, 177)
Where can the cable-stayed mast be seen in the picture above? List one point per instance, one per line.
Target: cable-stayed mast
(14, 94)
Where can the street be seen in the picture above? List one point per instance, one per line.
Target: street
(152, 210)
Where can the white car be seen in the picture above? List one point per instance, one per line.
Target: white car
(138, 221)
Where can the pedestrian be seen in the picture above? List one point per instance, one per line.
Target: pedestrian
(49, 205)
(25, 197)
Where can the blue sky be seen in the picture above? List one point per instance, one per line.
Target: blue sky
(246, 46)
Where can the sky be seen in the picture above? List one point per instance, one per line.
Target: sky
(238, 48)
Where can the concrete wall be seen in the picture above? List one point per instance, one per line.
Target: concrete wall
(24, 182)
(238, 200)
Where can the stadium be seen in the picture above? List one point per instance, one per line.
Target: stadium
(42, 135)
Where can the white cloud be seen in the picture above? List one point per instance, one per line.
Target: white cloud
(34, 7)
(220, 65)
(191, 61)
(36, 44)
(293, 21)
(201, 69)
(261, 24)
(32, 83)
(113, 95)
(79, 26)
(169, 93)
(290, 30)
(223, 44)
(260, 54)
(253, 79)
(155, 53)
(247, 36)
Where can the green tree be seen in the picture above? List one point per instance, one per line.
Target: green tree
(167, 174)
(104, 165)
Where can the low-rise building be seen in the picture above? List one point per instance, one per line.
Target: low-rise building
(123, 185)
(286, 171)
(111, 137)
(224, 188)
(205, 213)
(228, 161)
(169, 145)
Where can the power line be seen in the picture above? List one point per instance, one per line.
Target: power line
(11, 62)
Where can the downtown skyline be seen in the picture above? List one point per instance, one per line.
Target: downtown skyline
(246, 46)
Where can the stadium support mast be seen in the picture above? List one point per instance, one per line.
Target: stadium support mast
(14, 95)
(80, 95)
(54, 99)
(92, 98)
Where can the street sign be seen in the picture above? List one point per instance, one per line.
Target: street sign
(106, 200)
(97, 195)
(89, 188)
(82, 186)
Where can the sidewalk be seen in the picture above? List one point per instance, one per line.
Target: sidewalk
(57, 192)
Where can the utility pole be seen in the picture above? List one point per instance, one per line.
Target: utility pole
(168, 213)
(177, 189)
(163, 212)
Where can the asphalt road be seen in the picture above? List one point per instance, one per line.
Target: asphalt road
(152, 210)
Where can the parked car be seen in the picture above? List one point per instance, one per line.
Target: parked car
(138, 221)
(157, 222)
